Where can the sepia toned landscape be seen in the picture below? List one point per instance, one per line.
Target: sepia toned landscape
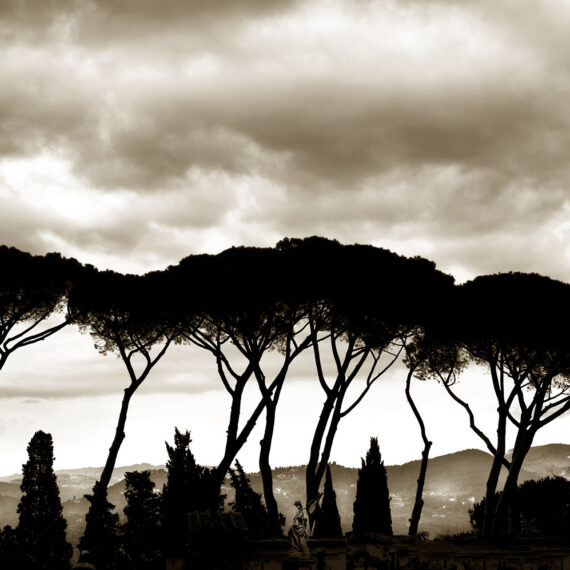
(284, 284)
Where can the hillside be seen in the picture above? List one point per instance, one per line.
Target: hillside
(453, 483)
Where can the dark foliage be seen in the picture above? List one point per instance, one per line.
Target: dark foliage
(31, 289)
(140, 537)
(544, 507)
(249, 504)
(41, 529)
(372, 505)
(327, 524)
(9, 553)
(99, 545)
(189, 488)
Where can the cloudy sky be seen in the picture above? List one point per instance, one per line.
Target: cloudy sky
(133, 133)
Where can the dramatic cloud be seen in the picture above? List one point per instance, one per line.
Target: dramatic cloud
(438, 127)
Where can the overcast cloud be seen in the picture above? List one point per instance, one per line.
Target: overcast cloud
(135, 132)
(438, 128)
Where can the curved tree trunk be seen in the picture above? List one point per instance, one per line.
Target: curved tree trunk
(107, 472)
(494, 474)
(265, 466)
(312, 480)
(507, 516)
(419, 501)
(234, 445)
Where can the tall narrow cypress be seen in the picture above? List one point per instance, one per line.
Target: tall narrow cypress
(372, 505)
(41, 530)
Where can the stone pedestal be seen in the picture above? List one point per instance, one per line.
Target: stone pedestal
(298, 564)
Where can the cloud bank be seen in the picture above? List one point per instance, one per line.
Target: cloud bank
(134, 133)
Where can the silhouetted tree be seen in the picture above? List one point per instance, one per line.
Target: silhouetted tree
(189, 487)
(363, 321)
(141, 531)
(41, 529)
(125, 315)
(515, 325)
(427, 359)
(32, 289)
(544, 507)
(99, 544)
(254, 314)
(9, 552)
(372, 505)
(249, 504)
(327, 524)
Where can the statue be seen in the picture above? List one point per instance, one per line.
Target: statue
(299, 530)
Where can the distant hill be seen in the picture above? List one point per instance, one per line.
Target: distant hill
(454, 482)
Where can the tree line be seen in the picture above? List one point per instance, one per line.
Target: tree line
(155, 527)
(359, 307)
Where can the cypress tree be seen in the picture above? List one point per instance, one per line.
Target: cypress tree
(249, 504)
(99, 543)
(372, 504)
(140, 532)
(41, 530)
(189, 488)
(327, 524)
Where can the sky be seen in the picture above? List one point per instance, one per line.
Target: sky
(134, 133)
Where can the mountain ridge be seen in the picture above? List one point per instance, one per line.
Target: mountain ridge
(454, 482)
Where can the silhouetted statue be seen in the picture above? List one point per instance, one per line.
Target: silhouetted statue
(298, 532)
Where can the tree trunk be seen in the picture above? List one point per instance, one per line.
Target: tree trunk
(232, 450)
(507, 519)
(265, 467)
(493, 479)
(117, 440)
(312, 481)
(419, 502)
